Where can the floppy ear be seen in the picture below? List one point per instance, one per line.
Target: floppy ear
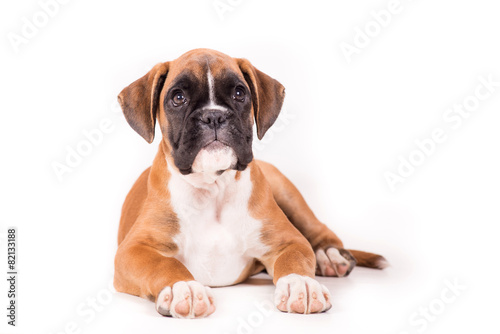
(267, 96)
(140, 101)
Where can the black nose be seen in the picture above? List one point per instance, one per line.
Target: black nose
(214, 119)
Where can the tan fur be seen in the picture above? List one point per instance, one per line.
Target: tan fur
(144, 262)
(369, 260)
(296, 209)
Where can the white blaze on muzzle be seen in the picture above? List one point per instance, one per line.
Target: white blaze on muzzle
(211, 94)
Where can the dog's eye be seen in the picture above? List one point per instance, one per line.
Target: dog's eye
(239, 94)
(178, 99)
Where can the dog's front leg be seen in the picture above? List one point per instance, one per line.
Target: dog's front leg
(293, 273)
(144, 271)
(289, 258)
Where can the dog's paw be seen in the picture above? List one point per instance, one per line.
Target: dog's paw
(186, 300)
(301, 294)
(333, 261)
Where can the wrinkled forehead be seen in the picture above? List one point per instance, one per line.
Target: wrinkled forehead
(200, 66)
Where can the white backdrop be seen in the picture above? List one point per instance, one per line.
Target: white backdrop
(365, 80)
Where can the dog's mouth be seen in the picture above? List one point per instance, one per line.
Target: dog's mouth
(215, 157)
(214, 145)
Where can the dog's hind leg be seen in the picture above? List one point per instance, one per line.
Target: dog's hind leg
(331, 257)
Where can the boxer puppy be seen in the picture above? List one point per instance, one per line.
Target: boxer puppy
(206, 214)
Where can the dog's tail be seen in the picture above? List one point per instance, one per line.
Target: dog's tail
(369, 260)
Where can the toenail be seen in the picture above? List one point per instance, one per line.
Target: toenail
(314, 295)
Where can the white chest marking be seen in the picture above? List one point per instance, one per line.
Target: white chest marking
(218, 238)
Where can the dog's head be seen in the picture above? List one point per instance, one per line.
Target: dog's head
(205, 103)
